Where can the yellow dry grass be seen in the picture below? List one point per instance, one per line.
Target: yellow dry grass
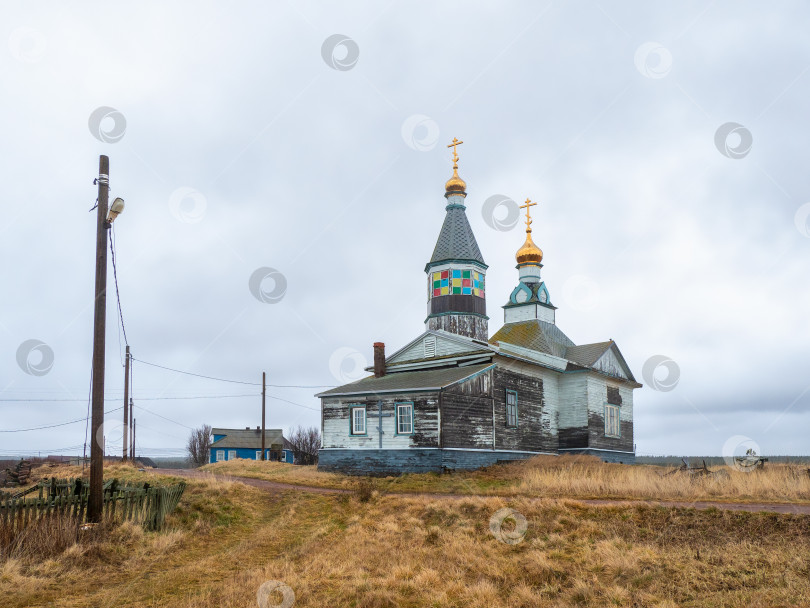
(279, 471)
(227, 539)
(580, 476)
(561, 476)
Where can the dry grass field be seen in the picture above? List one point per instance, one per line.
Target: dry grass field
(561, 476)
(227, 539)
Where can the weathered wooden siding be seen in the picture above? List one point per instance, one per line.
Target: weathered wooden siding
(336, 428)
(444, 347)
(472, 326)
(537, 423)
(598, 397)
(466, 413)
(516, 314)
(610, 364)
(573, 419)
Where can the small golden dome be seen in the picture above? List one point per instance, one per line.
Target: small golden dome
(455, 185)
(529, 253)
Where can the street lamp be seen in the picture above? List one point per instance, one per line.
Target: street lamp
(104, 219)
(115, 210)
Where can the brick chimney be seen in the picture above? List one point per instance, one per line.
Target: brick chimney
(379, 359)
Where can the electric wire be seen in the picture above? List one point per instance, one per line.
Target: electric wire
(50, 426)
(115, 279)
(27, 400)
(180, 371)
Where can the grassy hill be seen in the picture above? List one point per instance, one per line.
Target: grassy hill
(372, 550)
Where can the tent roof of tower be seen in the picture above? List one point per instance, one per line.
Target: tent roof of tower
(456, 239)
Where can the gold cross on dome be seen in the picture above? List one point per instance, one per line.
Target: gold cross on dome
(455, 143)
(527, 206)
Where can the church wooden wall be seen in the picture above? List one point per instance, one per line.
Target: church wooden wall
(534, 430)
(470, 409)
(600, 392)
(573, 420)
(466, 413)
(336, 424)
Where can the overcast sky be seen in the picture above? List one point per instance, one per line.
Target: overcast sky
(665, 145)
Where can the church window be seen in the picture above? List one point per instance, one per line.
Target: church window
(612, 425)
(358, 420)
(404, 418)
(455, 282)
(511, 409)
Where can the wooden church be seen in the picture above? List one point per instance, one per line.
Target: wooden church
(455, 398)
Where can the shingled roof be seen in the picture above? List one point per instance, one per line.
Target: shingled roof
(456, 239)
(536, 335)
(427, 380)
(587, 354)
(247, 438)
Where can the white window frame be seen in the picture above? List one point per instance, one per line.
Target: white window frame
(404, 427)
(220, 455)
(511, 409)
(613, 420)
(258, 454)
(354, 420)
(231, 454)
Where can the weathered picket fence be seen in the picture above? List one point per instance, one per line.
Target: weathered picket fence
(142, 503)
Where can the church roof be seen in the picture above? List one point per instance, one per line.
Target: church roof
(456, 239)
(426, 380)
(587, 354)
(535, 335)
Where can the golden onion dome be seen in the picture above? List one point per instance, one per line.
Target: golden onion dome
(455, 185)
(529, 253)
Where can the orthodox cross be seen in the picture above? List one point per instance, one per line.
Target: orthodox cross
(527, 206)
(455, 143)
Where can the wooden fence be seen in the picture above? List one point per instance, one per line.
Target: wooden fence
(141, 503)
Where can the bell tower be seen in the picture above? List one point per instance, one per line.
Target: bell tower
(530, 299)
(456, 272)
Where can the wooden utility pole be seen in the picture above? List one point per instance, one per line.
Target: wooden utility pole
(95, 502)
(264, 392)
(132, 430)
(125, 434)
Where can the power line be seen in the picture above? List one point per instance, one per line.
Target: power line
(180, 371)
(50, 426)
(293, 403)
(115, 279)
(140, 399)
(169, 419)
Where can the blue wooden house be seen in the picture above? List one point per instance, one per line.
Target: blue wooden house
(229, 444)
